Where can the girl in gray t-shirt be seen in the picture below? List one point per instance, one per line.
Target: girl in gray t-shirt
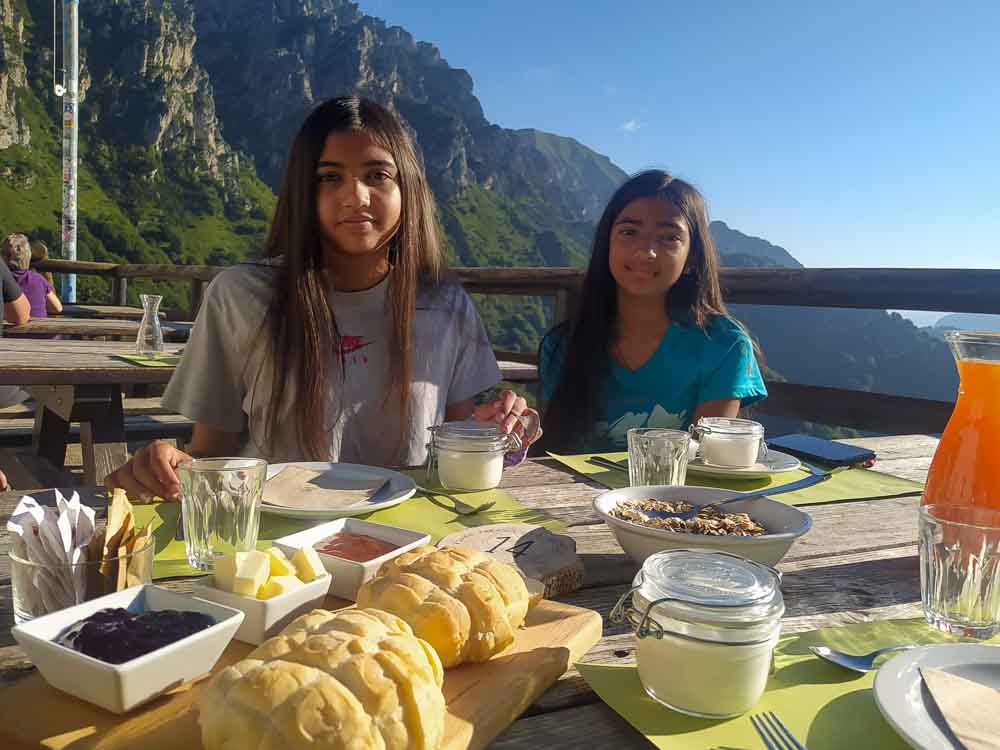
(343, 343)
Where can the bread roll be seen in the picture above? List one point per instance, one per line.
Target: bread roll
(463, 602)
(352, 680)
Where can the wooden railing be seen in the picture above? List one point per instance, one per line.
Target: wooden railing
(943, 290)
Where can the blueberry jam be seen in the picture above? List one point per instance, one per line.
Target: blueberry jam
(116, 635)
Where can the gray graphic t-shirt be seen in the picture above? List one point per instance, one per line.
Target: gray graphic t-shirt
(220, 380)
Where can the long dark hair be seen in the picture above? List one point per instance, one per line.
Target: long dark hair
(301, 326)
(694, 300)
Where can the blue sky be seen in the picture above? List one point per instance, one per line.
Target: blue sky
(850, 133)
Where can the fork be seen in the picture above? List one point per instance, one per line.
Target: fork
(774, 733)
(460, 508)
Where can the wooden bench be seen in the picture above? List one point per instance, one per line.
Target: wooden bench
(138, 428)
(145, 420)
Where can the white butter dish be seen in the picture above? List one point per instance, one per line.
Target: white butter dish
(265, 618)
(348, 575)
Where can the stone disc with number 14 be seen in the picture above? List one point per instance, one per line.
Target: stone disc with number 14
(537, 552)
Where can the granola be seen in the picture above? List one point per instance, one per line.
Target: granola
(709, 520)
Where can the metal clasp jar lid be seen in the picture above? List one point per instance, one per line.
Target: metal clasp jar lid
(703, 595)
(471, 437)
(728, 427)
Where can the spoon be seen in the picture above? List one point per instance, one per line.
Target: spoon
(688, 514)
(862, 663)
(460, 508)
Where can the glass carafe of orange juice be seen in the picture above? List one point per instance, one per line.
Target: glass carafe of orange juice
(966, 465)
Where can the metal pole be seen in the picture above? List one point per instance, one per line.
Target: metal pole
(70, 119)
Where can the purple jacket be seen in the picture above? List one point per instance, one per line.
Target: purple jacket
(36, 288)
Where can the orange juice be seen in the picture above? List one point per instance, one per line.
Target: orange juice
(966, 466)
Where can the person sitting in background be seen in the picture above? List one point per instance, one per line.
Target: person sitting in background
(42, 297)
(16, 310)
(652, 344)
(40, 252)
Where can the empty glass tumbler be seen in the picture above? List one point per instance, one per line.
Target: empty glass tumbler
(220, 503)
(960, 569)
(657, 456)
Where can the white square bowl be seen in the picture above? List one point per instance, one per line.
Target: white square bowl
(121, 687)
(348, 575)
(266, 617)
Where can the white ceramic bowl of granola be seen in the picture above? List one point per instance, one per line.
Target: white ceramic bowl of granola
(783, 524)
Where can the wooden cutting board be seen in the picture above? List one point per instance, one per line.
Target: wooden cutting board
(483, 699)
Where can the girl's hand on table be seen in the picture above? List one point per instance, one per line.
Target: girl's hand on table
(150, 473)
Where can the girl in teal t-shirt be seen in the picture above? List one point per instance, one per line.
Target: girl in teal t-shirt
(652, 344)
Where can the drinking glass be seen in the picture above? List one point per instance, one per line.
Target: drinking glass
(657, 456)
(960, 569)
(41, 588)
(220, 504)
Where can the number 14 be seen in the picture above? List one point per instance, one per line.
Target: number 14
(517, 550)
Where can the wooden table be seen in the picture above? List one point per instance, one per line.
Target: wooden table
(62, 325)
(115, 312)
(858, 563)
(81, 381)
(78, 381)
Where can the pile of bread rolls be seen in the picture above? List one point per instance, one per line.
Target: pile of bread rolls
(463, 602)
(369, 677)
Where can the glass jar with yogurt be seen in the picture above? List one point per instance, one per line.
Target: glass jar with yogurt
(469, 456)
(706, 624)
(729, 442)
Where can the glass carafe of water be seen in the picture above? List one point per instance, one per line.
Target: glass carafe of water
(149, 342)
(966, 465)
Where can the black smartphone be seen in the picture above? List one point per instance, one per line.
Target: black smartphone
(828, 452)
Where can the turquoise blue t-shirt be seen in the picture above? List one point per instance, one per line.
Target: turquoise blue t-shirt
(689, 366)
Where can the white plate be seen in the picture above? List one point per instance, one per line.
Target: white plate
(906, 703)
(775, 463)
(400, 488)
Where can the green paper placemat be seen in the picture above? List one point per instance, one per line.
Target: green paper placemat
(170, 558)
(823, 705)
(844, 485)
(418, 514)
(167, 360)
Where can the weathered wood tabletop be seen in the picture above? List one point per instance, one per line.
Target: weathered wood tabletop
(62, 325)
(859, 562)
(119, 312)
(47, 362)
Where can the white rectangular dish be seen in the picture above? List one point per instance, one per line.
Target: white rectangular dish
(265, 617)
(348, 575)
(121, 687)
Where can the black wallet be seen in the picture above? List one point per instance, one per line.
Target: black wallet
(828, 452)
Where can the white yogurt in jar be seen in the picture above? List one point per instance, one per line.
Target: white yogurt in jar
(706, 627)
(467, 455)
(734, 443)
(698, 678)
(468, 470)
(739, 452)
